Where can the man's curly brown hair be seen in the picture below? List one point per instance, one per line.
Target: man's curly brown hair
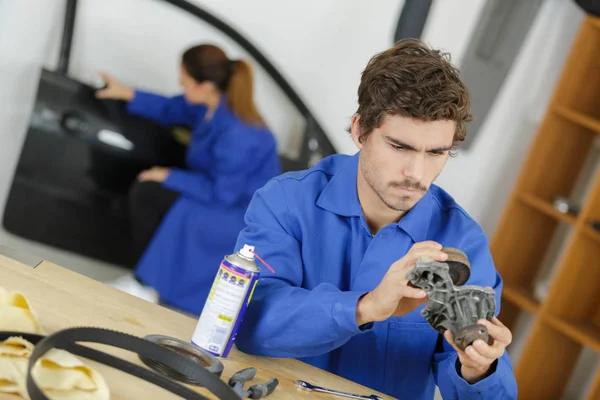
(412, 80)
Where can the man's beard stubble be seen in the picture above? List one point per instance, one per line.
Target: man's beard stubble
(368, 171)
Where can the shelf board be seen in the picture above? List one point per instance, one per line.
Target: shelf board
(591, 233)
(578, 118)
(521, 297)
(546, 208)
(585, 333)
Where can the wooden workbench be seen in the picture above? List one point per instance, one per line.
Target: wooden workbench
(63, 299)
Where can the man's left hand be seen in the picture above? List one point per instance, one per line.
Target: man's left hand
(154, 174)
(477, 359)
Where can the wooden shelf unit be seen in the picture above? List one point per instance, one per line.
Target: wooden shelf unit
(568, 318)
(521, 297)
(546, 208)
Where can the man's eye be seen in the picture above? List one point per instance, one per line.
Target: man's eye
(396, 147)
(438, 153)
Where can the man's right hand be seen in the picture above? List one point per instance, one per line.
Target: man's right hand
(393, 296)
(114, 89)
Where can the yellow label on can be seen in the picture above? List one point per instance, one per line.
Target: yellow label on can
(251, 293)
(225, 318)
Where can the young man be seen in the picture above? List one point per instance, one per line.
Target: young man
(342, 235)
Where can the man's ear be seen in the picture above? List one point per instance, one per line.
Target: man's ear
(355, 130)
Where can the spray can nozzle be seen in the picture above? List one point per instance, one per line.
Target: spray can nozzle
(247, 251)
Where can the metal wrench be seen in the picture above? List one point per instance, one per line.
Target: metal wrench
(307, 386)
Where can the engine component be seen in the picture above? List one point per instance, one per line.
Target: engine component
(451, 306)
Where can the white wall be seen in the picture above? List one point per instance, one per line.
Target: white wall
(482, 178)
(321, 46)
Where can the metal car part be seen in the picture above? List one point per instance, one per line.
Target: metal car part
(451, 306)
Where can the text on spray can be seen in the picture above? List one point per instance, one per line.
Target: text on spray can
(227, 302)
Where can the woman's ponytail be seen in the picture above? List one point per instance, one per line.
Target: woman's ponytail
(240, 93)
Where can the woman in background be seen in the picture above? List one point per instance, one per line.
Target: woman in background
(185, 220)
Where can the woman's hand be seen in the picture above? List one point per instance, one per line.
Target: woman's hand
(154, 174)
(114, 89)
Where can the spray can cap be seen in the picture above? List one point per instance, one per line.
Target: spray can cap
(247, 251)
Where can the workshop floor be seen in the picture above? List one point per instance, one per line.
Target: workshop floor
(89, 267)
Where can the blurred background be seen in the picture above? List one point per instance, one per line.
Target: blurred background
(511, 54)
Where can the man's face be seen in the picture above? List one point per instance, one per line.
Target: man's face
(400, 159)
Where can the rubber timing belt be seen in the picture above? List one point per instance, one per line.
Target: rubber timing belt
(67, 338)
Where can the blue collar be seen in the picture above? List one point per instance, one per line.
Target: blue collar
(416, 222)
(222, 109)
(340, 197)
(222, 116)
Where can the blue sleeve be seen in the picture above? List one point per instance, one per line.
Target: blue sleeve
(230, 179)
(501, 383)
(165, 110)
(283, 319)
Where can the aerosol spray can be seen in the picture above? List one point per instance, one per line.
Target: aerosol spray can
(227, 302)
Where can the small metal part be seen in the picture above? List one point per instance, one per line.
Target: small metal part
(307, 386)
(470, 333)
(203, 358)
(238, 379)
(564, 206)
(460, 267)
(261, 390)
(257, 391)
(450, 307)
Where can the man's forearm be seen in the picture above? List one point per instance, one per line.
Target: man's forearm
(294, 322)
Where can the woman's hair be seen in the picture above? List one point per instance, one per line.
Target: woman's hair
(235, 77)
